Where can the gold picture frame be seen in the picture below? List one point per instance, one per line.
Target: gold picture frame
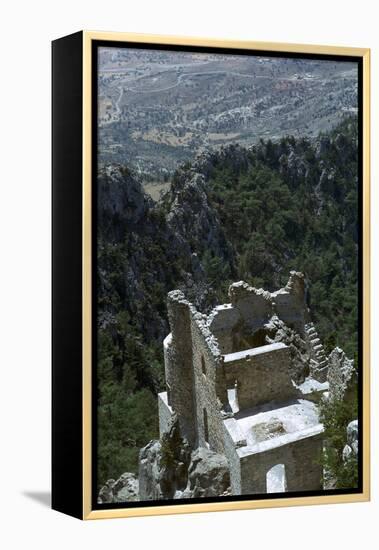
(84, 45)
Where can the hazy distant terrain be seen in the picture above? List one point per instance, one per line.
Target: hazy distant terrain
(159, 108)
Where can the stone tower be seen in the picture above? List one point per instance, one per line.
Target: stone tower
(244, 381)
(178, 364)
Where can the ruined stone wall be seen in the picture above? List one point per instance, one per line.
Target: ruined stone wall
(233, 459)
(302, 461)
(254, 305)
(306, 472)
(223, 321)
(290, 303)
(290, 309)
(207, 385)
(164, 412)
(261, 377)
(168, 364)
(178, 364)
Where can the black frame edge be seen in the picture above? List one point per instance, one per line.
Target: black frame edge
(67, 131)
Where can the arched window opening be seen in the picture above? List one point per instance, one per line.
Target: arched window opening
(276, 479)
(233, 397)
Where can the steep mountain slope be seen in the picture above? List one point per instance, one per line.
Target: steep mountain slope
(251, 214)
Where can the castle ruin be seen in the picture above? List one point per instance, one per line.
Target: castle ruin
(244, 381)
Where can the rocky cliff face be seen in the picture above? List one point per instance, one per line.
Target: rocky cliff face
(123, 202)
(138, 239)
(124, 489)
(163, 465)
(208, 475)
(168, 469)
(191, 217)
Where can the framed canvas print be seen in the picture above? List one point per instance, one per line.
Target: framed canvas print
(210, 275)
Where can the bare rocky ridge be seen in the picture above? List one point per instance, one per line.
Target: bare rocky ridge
(169, 232)
(191, 217)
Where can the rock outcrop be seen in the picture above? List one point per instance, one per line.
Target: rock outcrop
(146, 237)
(208, 475)
(163, 465)
(191, 217)
(124, 489)
(168, 469)
(122, 202)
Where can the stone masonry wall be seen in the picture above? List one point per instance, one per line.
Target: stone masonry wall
(206, 368)
(262, 377)
(290, 304)
(254, 305)
(223, 321)
(165, 413)
(302, 461)
(203, 359)
(233, 461)
(179, 370)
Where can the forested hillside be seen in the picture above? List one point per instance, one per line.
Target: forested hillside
(251, 214)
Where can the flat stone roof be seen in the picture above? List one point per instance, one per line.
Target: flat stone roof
(236, 356)
(273, 425)
(310, 385)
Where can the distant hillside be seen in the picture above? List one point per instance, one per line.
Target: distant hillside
(160, 108)
(238, 213)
